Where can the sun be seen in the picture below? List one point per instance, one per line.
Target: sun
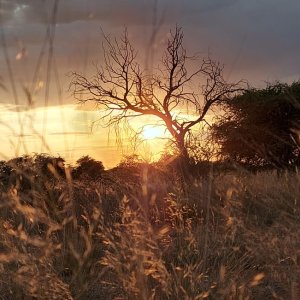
(152, 132)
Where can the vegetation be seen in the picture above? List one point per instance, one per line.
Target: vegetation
(170, 93)
(261, 127)
(138, 232)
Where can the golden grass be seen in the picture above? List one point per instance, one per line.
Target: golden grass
(141, 233)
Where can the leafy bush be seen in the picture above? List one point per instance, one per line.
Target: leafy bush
(88, 168)
(261, 127)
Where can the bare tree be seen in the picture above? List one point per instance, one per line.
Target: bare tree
(177, 93)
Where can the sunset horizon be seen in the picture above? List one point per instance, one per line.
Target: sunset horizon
(34, 46)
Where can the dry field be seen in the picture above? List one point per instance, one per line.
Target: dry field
(140, 231)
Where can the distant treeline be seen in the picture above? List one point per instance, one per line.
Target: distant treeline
(24, 171)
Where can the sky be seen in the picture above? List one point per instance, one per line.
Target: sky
(256, 40)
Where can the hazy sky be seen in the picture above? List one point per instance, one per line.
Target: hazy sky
(257, 40)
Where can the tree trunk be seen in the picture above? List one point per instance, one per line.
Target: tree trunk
(184, 163)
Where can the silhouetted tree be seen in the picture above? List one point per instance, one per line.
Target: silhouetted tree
(49, 166)
(261, 126)
(179, 93)
(5, 173)
(22, 172)
(89, 168)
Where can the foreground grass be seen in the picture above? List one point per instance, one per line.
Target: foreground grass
(141, 232)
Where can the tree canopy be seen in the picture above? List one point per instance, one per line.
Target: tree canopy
(261, 126)
(89, 168)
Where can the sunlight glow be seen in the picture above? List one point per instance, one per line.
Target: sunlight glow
(153, 132)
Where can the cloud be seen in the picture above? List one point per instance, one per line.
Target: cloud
(63, 133)
(40, 11)
(130, 11)
(255, 39)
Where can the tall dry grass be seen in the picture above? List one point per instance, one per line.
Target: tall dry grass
(140, 232)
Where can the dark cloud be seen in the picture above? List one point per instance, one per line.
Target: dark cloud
(116, 11)
(257, 40)
(39, 11)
